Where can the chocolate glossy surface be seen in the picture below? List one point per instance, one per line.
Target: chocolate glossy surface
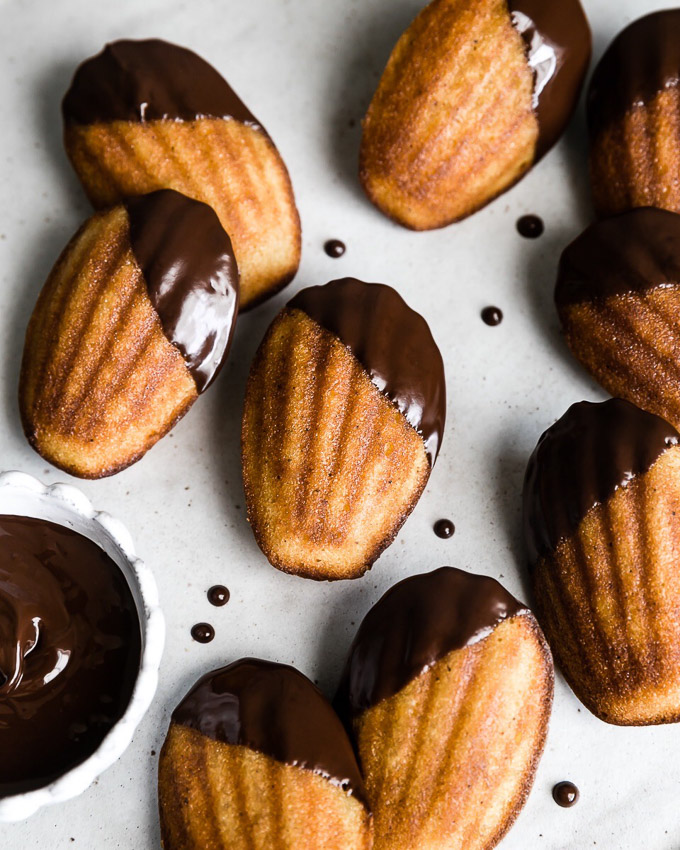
(565, 794)
(558, 43)
(334, 248)
(530, 226)
(628, 253)
(643, 60)
(149, 80)
(191, 275)
(70, 648)
(581, 461)
(444, 528)
(218, 595)
(417, 622)
(275, 710)
(392, 342)
(203, 632)
(492, 316)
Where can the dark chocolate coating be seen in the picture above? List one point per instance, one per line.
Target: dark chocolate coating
(275, 710)
(581, 461)
(70, 649)
(415, 624)
(191, 275)
(392, 342)
(633, 252)
(643, 60)
(149, 81)
(559, 45)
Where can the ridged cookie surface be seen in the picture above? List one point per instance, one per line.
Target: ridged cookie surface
(448, 688)
(472, 95)
(147, 115)
(343, 417)
(255, 759)
(618, 298)
(633, 118)
(114, 354)
(602, 523)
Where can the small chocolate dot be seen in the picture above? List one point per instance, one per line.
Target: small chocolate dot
(335, 248)
(202, 632)
(530, 226)
(492, 316)
(444, 528)
(565, 794)
(218, 595)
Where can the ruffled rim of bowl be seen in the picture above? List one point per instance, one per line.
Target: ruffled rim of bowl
(78, 779)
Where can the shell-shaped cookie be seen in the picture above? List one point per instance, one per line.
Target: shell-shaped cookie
(602, 521)
(343, 417)
(472, 95)
(256, 759)
(448, 688)
(618, 298)
(634, 118)
(133, 322)
(147, 115)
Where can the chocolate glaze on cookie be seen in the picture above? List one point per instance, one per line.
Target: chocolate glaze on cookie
(628, 253)
(191, 275)
(70, 648)
(581, 461)
(392, 342)
(275, 710)
(642, 61)
(415, 624)
(558, 43)
(149, 81)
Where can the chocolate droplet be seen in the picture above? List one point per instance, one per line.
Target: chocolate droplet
(444, 528)
(335, 248)
(565, 794)
(492, 316)
(530, 226)
(218, 595)
(202, 632)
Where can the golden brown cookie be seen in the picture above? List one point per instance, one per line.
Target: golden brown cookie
(602, 525)
(618, 298)
(146, 115)
(473, 95)
(633, 107)
(343, 418)
(448, 688)
(134, 321)
(256, 759)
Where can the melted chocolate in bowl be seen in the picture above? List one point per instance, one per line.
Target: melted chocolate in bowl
(70, 649)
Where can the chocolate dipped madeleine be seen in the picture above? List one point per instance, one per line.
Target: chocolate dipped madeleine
(602, 528)
(633, 105)
(256, 759)
(473, 95)
(343, 418)
(618, 298)
(448, 688)
(133, 323)
(146, 115)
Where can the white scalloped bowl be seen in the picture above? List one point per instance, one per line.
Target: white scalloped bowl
(23, 495)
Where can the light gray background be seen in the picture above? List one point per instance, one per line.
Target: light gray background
(307, 69)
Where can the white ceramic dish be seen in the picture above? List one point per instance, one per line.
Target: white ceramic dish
(23, 495)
